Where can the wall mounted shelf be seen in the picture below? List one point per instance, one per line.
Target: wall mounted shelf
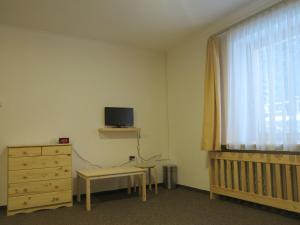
(109, 129)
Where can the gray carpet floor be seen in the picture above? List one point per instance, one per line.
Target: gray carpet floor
(169, 207)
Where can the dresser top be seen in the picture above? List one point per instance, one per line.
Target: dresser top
(27, 146)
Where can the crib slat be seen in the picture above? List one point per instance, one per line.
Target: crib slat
(211, 172)
(271, 179)
(212, 177)
(289, 184)
(278, 181)
(268, 180)
(216, 171)
(259, 179)
(298, 181)
(222, 174)
(229, 177)
(251, 178)
(236, 175)
(243, 176)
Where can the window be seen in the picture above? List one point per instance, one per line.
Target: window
(262, 75)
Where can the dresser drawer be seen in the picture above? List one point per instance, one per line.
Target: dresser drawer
(24, 151)
(19, 176)
(31, 201)
(57, 150)
(39, 187)
(23, 163)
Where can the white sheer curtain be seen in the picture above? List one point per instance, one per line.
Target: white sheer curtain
(263, 81)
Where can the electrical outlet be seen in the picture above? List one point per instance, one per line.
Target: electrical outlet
(131, 158)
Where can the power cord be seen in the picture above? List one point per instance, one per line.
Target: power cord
(95, 165)
(154, 157)
(139, 151)
(85, 160)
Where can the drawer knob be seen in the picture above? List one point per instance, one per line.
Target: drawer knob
(25, 177)
(56, 162)
(25, 190)
(66, 170)
(56, 187)
(25, 203)
(56, 151)
(55, 199)
(56, 174)
(24, 153)
(24, 164)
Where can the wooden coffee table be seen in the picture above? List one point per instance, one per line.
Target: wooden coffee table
(103, 173)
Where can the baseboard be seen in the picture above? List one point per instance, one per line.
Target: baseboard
(108, 192)
(193, 189)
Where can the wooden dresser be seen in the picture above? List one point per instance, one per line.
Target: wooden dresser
(39, 177)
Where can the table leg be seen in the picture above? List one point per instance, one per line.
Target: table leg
(78, 189)
(140, 184)
(155, 180)
(88, 194)
(129, 184)
(150, 180)
(144, 187)
(135, 182)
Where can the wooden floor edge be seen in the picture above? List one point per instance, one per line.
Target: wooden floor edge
(29, 210)
(264, 200)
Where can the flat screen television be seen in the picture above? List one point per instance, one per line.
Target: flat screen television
(118, 117)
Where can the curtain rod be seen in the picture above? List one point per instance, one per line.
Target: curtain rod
(247, 18)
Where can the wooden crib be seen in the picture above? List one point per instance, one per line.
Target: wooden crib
(271, 179)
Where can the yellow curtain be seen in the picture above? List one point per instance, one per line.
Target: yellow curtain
(211, 133)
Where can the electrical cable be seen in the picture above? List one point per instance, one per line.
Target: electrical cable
(127, 162)
(139, 151)
(95, 165)
(85, 160)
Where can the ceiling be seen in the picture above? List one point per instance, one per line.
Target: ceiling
(155, 24)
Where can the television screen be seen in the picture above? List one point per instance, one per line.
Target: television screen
(118, 117)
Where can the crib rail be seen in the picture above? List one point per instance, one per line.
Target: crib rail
(268, 179)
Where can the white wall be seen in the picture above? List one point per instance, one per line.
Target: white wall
(53, 86)
(185, 96)
(185, 72)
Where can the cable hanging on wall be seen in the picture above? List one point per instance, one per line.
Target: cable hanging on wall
(139, 151)
(85, 160)
(154, 158)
